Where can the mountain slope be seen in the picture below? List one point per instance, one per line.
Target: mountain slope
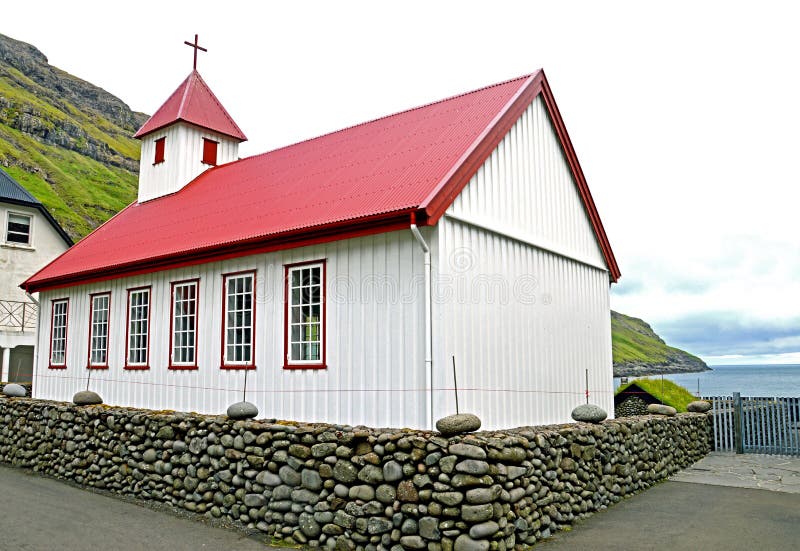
(638, 351)
(65, 140)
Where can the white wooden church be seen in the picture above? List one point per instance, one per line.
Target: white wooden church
(344, 274)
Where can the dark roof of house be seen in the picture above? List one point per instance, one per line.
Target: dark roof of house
(10, 189)
(12, 192)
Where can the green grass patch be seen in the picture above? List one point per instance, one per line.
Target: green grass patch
(664, 390)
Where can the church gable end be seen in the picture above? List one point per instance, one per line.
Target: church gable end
(526, 189)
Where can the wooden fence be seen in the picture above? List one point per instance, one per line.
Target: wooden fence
(756, 424)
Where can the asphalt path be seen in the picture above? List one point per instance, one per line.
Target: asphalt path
(42, 514)
(686, 516)
(39, 513)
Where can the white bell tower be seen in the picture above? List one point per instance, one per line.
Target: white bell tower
(186, 136)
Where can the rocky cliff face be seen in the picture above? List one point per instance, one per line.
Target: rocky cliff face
(59, 134)
(64, 92)
(638, 351)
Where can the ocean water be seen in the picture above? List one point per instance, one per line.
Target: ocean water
(749, 380)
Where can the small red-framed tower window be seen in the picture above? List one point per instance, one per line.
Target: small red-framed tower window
(159, 156)
(209, 152)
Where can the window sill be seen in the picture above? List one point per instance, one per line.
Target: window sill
(57, 366)
(293, 367)
(18, 246)
(97, 366)
(158, 163)
(136, 367)
(250, 367)
(183, 367)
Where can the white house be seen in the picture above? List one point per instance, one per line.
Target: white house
(343, 275)
(31, 238)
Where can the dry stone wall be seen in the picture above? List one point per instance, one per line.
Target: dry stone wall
(352, 487)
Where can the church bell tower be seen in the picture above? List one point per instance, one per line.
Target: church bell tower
(186, 136)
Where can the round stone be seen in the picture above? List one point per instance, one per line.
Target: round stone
(661, 409)
(14, 390)
(458, 424)
(698, 406)
(86, 398)
(589, 413)
(466, 543)
(242, 410)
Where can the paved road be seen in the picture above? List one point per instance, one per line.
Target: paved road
(687, 516)
(40, 514)
(779, 473)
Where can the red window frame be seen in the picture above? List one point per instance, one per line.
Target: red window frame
(89, 364)
(322, 364)
(50, 364)
(173, 284)
(224, 323)
(210, 152)
(159, 151)
(146, 364)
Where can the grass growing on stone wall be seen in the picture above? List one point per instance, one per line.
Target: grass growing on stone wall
(665, 390)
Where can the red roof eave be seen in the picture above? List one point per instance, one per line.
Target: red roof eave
(386, 222)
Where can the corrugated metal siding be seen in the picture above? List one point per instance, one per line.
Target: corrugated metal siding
(525, 187)
(183, 152)
(524, 325)
(375, 349)
(524, 289)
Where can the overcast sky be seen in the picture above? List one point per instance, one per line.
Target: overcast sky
(685, 117)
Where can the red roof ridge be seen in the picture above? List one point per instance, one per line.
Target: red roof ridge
(219, 103)
(186, 91)
(389, 116)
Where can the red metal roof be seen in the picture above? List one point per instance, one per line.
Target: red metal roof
(364, 179)
(195, 103)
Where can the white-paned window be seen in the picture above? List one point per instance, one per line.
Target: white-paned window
(58, 333)
(239, 320)
(138, 327)
(18, 229)
(99, 308)
(184, 325)
(305, 309)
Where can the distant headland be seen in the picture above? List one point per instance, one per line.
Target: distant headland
(638, 351)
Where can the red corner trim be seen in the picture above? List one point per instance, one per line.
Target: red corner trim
(583, 187)
(465, 168)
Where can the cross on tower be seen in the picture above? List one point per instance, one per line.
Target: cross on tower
(196, 47)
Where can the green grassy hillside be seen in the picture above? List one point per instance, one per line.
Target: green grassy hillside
(66, 141)
(637, 350)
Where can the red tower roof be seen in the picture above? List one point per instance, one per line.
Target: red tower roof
(365, 179)
(195, 103)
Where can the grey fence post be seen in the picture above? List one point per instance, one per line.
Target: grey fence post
(737, 423)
